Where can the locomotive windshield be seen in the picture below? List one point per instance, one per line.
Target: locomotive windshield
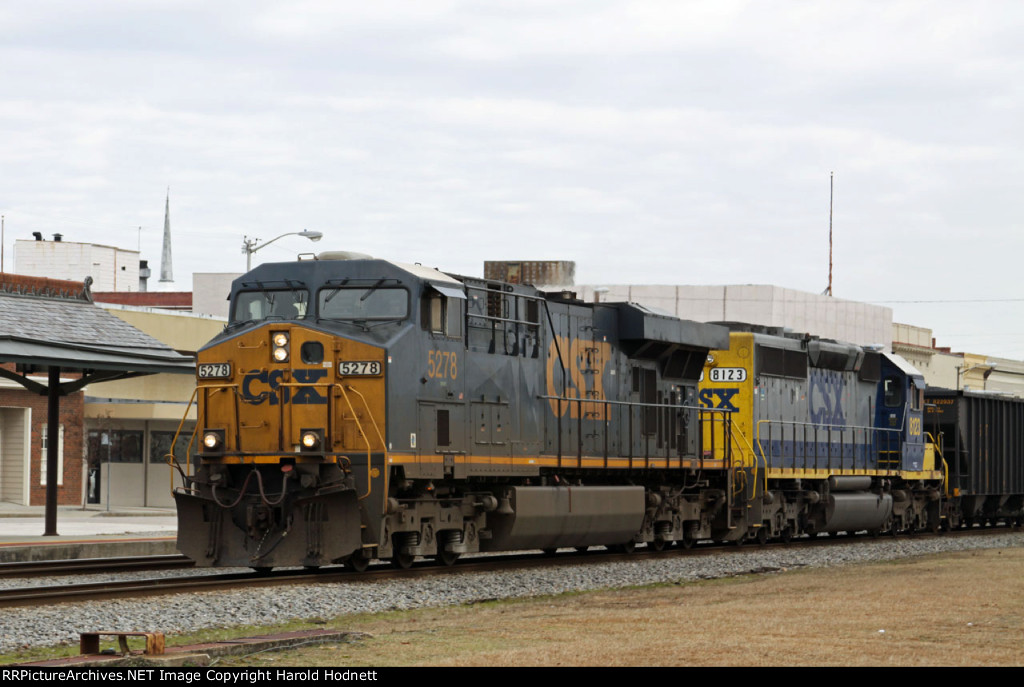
(270, 304)
(363, 303)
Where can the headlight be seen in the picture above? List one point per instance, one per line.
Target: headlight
(311, 439)
(213, 440)
(280, 341)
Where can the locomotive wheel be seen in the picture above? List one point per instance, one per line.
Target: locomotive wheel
(628, 547)
(786, 535)
(762, 535)
(582, 549)
(357, 562)
(403, 561)
(262, 569)
(657, 545)
(447, 557)
(550, 551)
(687, 541)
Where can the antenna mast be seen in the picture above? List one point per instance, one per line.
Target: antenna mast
(828, 291)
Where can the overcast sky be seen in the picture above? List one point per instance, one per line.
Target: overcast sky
(650, 141)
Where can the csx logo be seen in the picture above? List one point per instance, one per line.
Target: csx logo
(585, 361)
(825, 398)
(260, 385)
(720, 399)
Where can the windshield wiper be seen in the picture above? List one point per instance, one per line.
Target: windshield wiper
(372, 289)
(239, 323)
(336, 290)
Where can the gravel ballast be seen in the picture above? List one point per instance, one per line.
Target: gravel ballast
(181, 613)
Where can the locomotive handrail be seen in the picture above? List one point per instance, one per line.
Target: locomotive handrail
(579, 401)
(170, 458)
(369, 448)
(945, 466)
(487, 317)
(219, 388)
(873, 432)
(733, 431)
(633, 403)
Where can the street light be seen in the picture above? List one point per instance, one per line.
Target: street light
(249, 245)
(961, 371)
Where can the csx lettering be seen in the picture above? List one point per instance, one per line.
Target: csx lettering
(707, 399)
(260, 385)
(442, 365)
(825, 398)
(584, 361)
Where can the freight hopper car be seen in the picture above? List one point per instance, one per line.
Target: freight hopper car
(827, 437)
(981, 439)
(356, 408)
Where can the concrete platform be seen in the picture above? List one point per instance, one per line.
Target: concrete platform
(85, 533)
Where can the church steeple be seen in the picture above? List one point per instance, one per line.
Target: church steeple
(166, 273)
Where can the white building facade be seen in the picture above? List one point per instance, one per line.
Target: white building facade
(111, 268)
(773, 306)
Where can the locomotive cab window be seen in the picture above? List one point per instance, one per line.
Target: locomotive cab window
(363, 303)
(270, 304)
(916, 397)
(441, 311)
(893, 392)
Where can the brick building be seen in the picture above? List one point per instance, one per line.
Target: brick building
(53, 342)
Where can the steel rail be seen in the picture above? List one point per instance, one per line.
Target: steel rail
(122, 589)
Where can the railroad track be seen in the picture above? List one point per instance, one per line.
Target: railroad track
(85, 565)
(120, 589)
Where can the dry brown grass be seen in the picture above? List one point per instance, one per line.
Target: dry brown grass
(953, 610)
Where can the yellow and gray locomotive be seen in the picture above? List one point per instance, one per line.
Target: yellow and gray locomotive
(357, 409)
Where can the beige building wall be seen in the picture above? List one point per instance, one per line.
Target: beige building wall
(148, 405)
(153, 397)
(182, 331)
(973, 371)
(1006, 376)
(944, 369)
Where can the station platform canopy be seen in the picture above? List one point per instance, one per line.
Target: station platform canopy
(52, 326)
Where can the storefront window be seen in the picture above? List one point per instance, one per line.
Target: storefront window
(115, 446)
(160, 446)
